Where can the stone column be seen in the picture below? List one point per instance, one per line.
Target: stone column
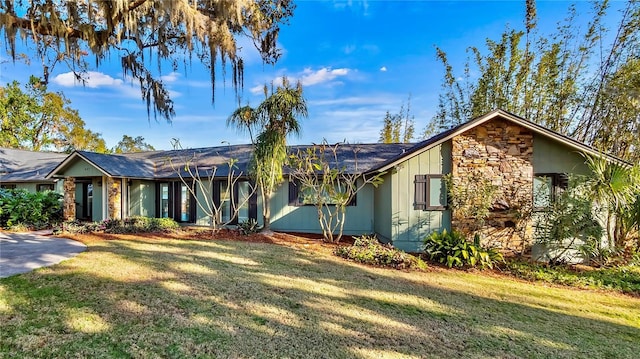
(502, 153)
(69, 203)
(114, 198)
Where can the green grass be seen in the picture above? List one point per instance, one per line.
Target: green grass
(623, 278)
(169, 298)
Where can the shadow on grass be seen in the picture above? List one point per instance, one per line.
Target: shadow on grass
(151, 298)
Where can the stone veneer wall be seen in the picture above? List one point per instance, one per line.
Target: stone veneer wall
(503, 153)
(114, 198)
(69, 202)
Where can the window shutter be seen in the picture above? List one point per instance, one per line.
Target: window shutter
(353, 200)
(420, 200)
(216, 193)
(193, 205)
(293, 193)
(253, 204)
(562, 181)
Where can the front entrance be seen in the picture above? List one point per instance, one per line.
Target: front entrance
(84, 199)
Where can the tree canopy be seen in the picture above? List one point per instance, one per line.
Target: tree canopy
(129, 144)
(581, 84)
(40, 120)
(145, 34)
(399, 127)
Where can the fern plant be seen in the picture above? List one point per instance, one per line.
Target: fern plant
(454, 250)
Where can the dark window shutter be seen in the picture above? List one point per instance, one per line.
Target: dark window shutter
(216, 192)
(562, 181)
(293, 193)
(193, 205)
(353, 201)
(420, 200)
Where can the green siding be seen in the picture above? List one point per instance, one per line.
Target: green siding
(551, 156)
(142, 197)
(80, 202)
(305, 218)
(410, 226)
(97, 199)
(79, 168)
(382, 209)
(33, 186)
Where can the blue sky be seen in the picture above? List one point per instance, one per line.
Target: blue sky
(356, 60)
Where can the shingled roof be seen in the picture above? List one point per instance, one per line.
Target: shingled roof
(27, 166)
(356, 158)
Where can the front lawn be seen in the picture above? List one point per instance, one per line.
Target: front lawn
(169, 298)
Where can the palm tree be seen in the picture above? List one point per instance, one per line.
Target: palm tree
(613, 188)
(276, 118)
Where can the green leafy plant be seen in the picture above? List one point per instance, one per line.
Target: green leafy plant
(454, 250)
(248, 227)
(570, 223)
(367, 249)
(26, 209)
(134, 224)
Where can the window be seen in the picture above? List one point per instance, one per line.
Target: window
(297, 196)
(546, 187)
(8, 186)
(185, 203)
(430, 193)
(243, 198)
(164, 200)
(45, 187)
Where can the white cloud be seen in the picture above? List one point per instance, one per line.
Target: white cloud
(90, 79)
(172, 77)
(307, 77)
(383, 69)
(325, 74)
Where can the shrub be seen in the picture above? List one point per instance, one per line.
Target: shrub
(367, 249)
(454, 250)
(248, 227)
(622, 278)
(29, 209)
(134, 224)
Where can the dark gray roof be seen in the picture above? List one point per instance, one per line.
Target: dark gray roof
(120, 165)
(165, 164)
(27, 166)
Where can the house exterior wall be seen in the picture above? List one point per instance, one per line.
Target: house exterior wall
(33, 186)
(97, 207)
(554, 157)
(142, 198)
(304, 219)
(81, 168)
(408, 225)
(501, 152)
(382, 211)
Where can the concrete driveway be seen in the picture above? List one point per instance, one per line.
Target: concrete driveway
(24, 252)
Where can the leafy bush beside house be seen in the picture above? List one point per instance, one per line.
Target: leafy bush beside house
(368, 250)
(134, 224)
(34, 210)
(454, 250)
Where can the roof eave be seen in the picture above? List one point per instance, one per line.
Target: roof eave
(68, 160)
